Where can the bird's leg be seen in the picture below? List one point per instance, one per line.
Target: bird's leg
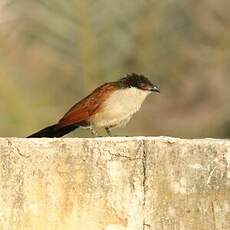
(93, 132)
(108, 131)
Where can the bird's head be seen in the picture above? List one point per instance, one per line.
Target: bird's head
(139, 82)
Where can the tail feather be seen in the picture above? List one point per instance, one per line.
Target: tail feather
(54, 131)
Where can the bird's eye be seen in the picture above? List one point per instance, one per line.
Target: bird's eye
(142, 86)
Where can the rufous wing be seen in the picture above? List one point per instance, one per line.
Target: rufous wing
(87, 107)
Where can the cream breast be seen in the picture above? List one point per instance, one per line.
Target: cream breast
(118, 109)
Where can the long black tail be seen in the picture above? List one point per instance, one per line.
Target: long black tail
(54, 131)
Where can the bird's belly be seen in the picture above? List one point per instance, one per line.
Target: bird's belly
(112, 118)
(119, 108)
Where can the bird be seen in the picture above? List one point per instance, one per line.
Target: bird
(109, 106)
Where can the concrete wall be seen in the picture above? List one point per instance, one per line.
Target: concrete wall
(114, 184)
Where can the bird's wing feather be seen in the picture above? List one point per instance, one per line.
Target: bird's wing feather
(83, 110)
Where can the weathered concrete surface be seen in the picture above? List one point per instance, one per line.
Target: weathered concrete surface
(114, 184)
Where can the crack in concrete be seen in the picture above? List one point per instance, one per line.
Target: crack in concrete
(213, 216)
(144, 162)
(144, 165)
(127, 157)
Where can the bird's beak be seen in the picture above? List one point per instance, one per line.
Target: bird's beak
(155, 88)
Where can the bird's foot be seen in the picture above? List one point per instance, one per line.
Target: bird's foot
(108, 131)
(93, 132)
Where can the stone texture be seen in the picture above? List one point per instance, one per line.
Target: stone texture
(136, 183)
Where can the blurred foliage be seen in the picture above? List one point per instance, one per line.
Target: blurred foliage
(55, 52)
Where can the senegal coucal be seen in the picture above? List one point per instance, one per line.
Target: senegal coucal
(110, 105)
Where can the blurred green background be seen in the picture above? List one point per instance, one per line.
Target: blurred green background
(55, 52)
